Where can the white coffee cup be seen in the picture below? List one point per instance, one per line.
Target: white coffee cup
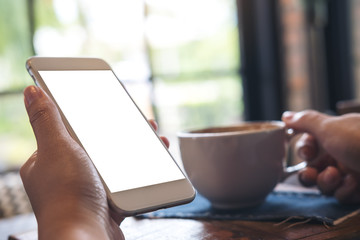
(235, 166)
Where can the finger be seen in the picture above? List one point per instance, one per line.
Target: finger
(323, 161)
(308, 176)
(307, 147)
(309, 121)
(165, 141)
(349, 191)
(116, 217)
(153, 124)
(329, 180)
(44, 117)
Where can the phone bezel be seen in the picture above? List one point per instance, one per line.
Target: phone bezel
(128, 202)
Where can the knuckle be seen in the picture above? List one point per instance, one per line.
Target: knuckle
(307, 115)
(41, 115)
(26, 167)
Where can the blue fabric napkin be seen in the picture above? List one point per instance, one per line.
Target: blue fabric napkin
(278, 206)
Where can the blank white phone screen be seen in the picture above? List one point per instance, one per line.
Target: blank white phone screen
(123, 147)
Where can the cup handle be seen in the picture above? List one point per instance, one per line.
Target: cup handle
(290, 170)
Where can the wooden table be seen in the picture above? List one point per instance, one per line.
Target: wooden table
(221, 230)
(183, 229)
(24, 227)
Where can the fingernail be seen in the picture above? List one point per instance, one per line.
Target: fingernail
(31, 93)
(288, 115)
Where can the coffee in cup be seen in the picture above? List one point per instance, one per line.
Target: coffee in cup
(235, 166)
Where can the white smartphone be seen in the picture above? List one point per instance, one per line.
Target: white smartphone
(138, 172)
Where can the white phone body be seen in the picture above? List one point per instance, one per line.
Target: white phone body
(137, 170)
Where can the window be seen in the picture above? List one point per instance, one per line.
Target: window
(355, 19)
(193, 48)
(16, 138)
(178, 59)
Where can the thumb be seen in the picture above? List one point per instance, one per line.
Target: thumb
(44, 117)
(309, 121)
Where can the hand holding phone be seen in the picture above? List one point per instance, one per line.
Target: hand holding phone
(64, 189)
(137, 171)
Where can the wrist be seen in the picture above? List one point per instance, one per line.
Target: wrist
(71, 220)
(72, 230)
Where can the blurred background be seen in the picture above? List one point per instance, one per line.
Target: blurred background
(188, 64)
